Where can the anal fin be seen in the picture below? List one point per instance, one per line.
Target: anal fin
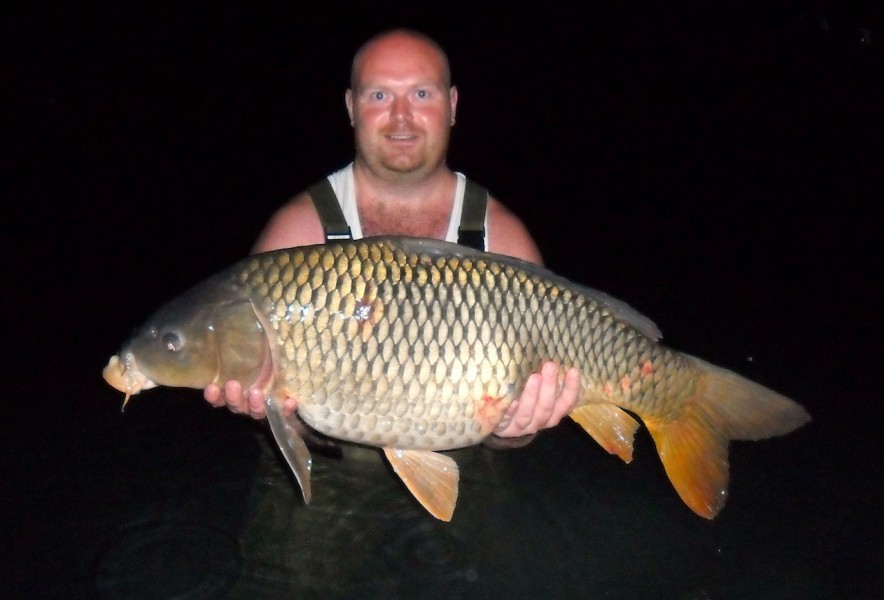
(431, 477)
(608, 425)
(291, 444)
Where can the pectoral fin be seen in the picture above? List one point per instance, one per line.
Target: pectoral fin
(610, 426)
(430, 476)
(291, 444)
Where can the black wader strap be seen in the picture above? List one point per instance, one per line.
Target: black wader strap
(472, 218)
(329, 210)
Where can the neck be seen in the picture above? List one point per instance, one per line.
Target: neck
(405, 187)
(405, 206)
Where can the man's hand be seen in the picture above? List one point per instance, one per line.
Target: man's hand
(250, 403)
(542, 404)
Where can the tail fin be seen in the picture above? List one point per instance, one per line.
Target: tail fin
(726, 406)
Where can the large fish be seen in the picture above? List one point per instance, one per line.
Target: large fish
(416, 346)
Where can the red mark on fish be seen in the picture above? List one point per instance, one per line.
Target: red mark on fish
(489, 412)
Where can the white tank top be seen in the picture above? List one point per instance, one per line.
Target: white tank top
(344, 186)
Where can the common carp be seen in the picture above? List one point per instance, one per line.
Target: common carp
(418, 346)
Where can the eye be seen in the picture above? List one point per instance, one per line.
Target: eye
(377, 95)
(171, 342)
(423, 94)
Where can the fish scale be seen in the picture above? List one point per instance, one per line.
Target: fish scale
(450, 303)
(418, 346)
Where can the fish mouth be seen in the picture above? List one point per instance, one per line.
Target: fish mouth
(124, 375)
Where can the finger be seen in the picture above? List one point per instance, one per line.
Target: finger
(518, 415)
(507, 417)
(289, 406)
(212, 394)
(567, 399)
(526, 407)
(255, 402)
(546, 395)
(233, 395)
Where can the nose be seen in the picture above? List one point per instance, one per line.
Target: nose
(400, 109)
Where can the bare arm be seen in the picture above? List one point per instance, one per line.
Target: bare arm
(294, 224)
(508, 235)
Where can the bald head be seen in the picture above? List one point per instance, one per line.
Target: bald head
(400, 43)
(401, 106)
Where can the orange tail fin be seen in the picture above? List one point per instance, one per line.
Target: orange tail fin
(726, 406)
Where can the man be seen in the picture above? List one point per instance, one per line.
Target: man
(402, 106)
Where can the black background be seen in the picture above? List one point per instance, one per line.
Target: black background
(716, 165)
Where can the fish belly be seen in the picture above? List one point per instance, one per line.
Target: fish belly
(418, 373)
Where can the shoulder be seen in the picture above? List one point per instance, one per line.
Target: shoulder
(295, 223)
(508, 235)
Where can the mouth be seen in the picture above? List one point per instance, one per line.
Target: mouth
(124, 376)
(401, 137)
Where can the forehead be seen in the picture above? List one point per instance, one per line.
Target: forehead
(400, 60)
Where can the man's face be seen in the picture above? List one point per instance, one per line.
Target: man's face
(401, 107)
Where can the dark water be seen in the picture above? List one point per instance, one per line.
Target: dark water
(716, 168)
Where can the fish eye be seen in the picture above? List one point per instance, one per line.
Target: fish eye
(171, 342)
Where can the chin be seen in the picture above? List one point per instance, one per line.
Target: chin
(404, 167)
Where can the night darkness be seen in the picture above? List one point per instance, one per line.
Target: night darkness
(717, 168)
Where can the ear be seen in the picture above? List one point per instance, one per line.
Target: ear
(452, 98)
(348, 100)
